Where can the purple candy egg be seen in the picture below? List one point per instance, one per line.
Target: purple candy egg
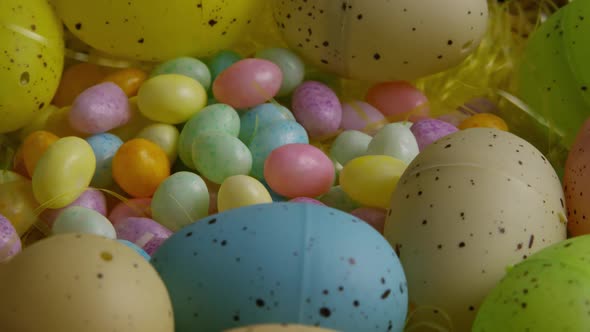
(100, 108)
(317, 108)
(361, 116)
(91, 198)
(306, 200)
(430, 130)
(144, 232)
(10, 244)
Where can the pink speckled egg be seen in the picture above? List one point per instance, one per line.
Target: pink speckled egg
(361, 116)
(317, 108)
(430, 130)
(306, 200)
(372, 216)
(144, 232)
(136, 207)
(399, 101)
(92, 199)
(248, 83)
(10, 244)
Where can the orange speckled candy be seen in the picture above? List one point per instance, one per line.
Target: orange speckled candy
(140, 166)
(76, 79)
(34, 146)
(484, 120)
(129, 80)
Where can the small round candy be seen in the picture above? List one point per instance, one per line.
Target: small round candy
(241, 190)
(428, 131)
(221, 61)
(34, 146)
(218, 156)
(372, 216)
(135, 207)
(398, 101)
(144, 232)
(139, 166)
(76, 79)
(484, 120)
(100, 108)
(105, 147)
(291, 66)
(260, 117)
(295, 170)
(10, 243)
(317, 108)
(395, 140)
(181, 199)
(348, 145)
(91, 198)
(137, 249)
(361, 116)
(128, 79)
(306, 200)
(165, 135)
(187, 66)
(171, 98)
(248, 83)
(336, 198)
(78, 219)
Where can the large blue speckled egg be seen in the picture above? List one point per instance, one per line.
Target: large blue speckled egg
(283, 263)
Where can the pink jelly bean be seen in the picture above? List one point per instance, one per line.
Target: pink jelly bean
(144, 232)
(430, 130)
(99, 109)
(372, 216)
(299, 170)
(399, 101)
(358, 115)
(92, 198)
(137, 207)
(248, 83)
(306, 200)
(10, 244)
(317, 108)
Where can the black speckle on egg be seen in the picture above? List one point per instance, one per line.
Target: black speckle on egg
(376, 56)
(214, 220)
(449, 42)
(355, 303)
(78, 26)
(386, 294)
(99, 275)
(325, 312)
(461, 244)
(212, 22)
(471, 308)
(260, 303)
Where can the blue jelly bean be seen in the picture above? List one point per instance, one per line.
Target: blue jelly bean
(105, 146)
(260, 117)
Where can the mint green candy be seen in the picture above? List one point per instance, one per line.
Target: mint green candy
(291, 65)
(78, 219)
(348, 145)
(217, 156)
(191, 67)
(395, 140)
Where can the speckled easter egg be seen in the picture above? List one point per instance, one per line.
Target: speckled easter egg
(348, 145)
(395, 140)
(263, 253)
(317, 108)
(10, 244)
(428, 131)
(105, 147)
(358, 115)
(144, 232)
(218, 156)
(260, 117)
(472, 204)
(187, 66)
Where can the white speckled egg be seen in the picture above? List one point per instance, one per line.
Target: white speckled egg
(381, 39)
(469, 206)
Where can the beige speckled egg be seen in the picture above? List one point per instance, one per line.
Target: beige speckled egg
(381, 39)
(469, 206)
(280, 327)
(82, 283)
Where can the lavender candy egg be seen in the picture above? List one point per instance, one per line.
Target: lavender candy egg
(429, 131)
(92, 199)
(317, 108)
(10, 244)
(99, 109)
(361, 116)
(144, 232)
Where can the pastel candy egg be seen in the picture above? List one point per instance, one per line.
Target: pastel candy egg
(144, 232)
(398, 101)
(371, 180)
(241, 190)
(99, 109)
(295, 170)
(171, 98)
(395, 140)
(429, 131)
(291, 66)
(33, 147)
(221, 61)
(180, 200)
(307, 200)
(135, 207)
(248, 83)
(358, 115)
(266, 140)
(260, 117)
(136, 248)
(64, 172)
(78, 219)
(484, 120)
(105, 147)
(165, 136)
(317, 108)
(348, 145)
(128, 79)
(372, 216)
(187, 66)
(337, 198)
(218, 156)
(91, 198)
(10, 244)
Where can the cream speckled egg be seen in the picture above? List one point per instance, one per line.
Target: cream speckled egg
(469, 206)
(381, 39)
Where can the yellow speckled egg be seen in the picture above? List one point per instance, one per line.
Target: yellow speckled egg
(155, 30)
(280, 327)
(85, 282)
(31, 60)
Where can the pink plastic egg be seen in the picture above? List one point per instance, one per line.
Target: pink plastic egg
(91, 198)
(306, 200)
(144, 232)
(372, 216)
(248, 83)
(137, 207)
(430, 130)
(299, 170)
(317, 108)
(399, 101)
(358, 115)
(10, 244)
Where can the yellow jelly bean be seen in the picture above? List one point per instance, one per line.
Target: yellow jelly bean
(241, 190)
(35, 146)
(484, 120)
(165, 136)
(135, 124)
(370, 180)
(129, 80)
(171, 98)
(76, 79)
(17, 202)
(63, 172)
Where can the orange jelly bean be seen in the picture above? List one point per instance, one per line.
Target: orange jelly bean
(139, 166)
(18, 164)
(129, 80)
(76, 79)
(484, 120)
(34, 146)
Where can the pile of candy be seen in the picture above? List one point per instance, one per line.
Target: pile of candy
(213, 190)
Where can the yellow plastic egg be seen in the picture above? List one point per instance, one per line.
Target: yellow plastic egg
(63, 172)
(31, 60)
(156, 30)
(241, 190)
(17, 202)
(80, 283)
(370, 180)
